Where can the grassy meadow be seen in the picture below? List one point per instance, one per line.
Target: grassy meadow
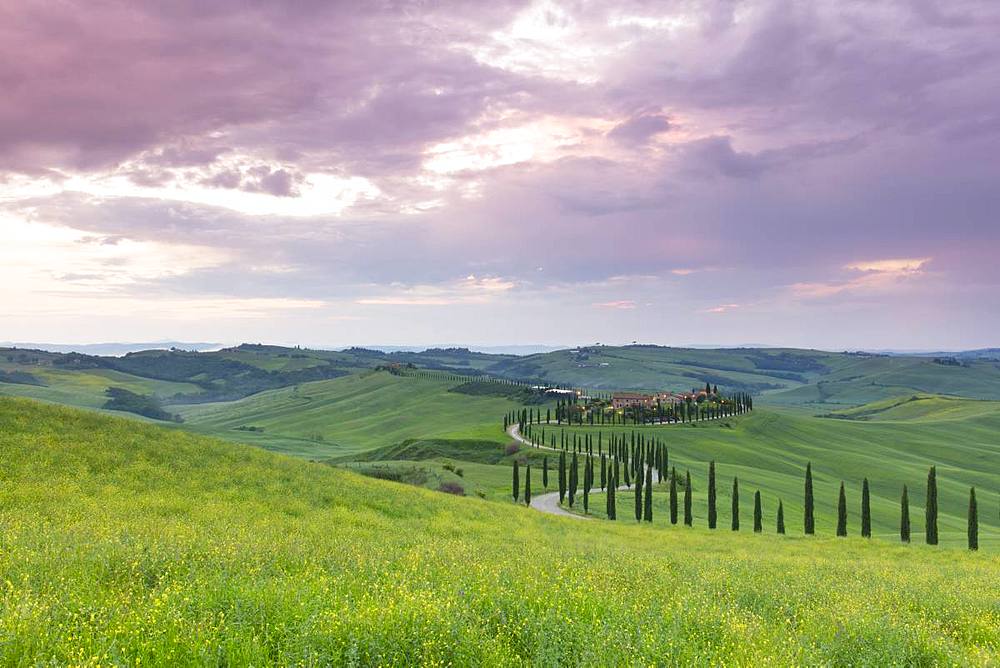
(769, 448)
(123, 543)
(352, 414)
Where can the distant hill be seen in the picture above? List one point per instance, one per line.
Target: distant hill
(114, 349)
(812, 378)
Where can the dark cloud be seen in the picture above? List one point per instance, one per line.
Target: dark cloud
(638, 129)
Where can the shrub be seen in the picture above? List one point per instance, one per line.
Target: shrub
(512, 448)
(452, 488)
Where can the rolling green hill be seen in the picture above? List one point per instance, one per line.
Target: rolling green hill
(809, 378)
(813, 380)
(123, 543)
(928, 408)
(349, 415)
(769, 449)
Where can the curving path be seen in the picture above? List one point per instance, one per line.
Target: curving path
(549, 501)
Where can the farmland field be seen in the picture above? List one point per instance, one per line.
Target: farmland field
(769, 448)
(131, 544)
(338, 417)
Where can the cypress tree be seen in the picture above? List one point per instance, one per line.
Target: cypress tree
(810, 522)
(931, 509)
(781, 517)
(973, 521)
(647, 510)
(842, 512)
(904, 517)
(866, 510)
(527, 485)
(545, 472)
(758, 517)
(736, 504)
(638, 497)
(712, 511)
(688, 515)
(517, 482)
(604, 471)
(673, 496)
(562, 476)
(612, 510)
(574, 478)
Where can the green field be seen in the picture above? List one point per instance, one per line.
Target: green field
(131, 544)
(349, 415)
(86, 388)
(769, 449)
(810, 378)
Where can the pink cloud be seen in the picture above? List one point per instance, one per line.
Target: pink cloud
(624, 304)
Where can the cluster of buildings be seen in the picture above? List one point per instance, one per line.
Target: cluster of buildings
(620, 400)
(630, 399)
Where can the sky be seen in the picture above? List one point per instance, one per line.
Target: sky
(820, 174)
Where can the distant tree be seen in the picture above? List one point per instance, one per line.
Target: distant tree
(688, 515)
(904, 517)
(931, 509)
(712, 511)
(574, 478)
(638, 496)
(866, 510)
(781, 517)
(527, 485)
(810, 522)
(736, 504)
(612, 511)
(545, 472)
(647, 509)
(517, 483)
(604, 471)
(673, 496)
(973, 530)
(562, 476)
(758, 517)
(842, 512)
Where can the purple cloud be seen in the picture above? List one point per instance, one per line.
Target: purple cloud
(600, 154)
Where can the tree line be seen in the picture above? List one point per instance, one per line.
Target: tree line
(569, 412)
(634, 462)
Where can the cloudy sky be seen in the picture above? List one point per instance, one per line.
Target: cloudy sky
(822, 174)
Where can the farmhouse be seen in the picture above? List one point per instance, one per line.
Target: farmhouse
(628, 399)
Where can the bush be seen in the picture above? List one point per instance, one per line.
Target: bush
(452, 488)
(512, 448)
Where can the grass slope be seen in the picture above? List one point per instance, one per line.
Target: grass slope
(808, 378)
(85, 388)
(769, 449)
(132, 544)
(349, 415)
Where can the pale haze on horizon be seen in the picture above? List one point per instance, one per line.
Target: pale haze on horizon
(812, 174)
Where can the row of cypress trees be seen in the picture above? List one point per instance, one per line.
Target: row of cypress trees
(571, 412)
(642, 460)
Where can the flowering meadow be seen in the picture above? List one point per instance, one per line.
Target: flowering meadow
(127, 544)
